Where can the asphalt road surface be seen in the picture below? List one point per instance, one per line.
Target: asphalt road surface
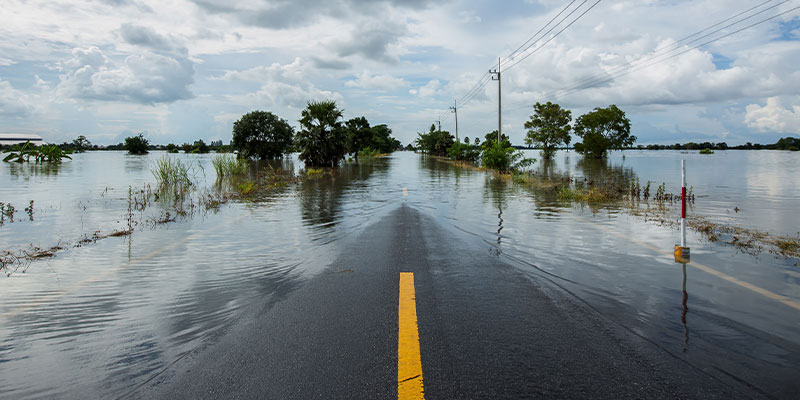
(485, 329)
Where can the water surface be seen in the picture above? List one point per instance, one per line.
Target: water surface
(100, 319)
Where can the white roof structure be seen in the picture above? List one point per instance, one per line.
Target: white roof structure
(7, 139)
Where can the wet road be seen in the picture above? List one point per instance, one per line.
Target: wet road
(485, 331)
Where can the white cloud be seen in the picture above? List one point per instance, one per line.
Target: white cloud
(286, 85)
(294, 72)
(773, 117)
(430, 89)
(144, 78)
(376, 82)
(13, 103)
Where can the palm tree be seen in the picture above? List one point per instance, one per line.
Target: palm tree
(323, 139)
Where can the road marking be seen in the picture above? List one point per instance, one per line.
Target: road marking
(711, 271)
(405, 191)
(409, 364)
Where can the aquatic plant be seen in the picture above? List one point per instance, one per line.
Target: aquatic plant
(44, 153)
(706, 151)
(227, 165)
(246, 187)
(172, 172)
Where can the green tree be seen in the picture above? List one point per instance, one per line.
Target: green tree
(604, 129)
(81, 144)
(548, 127)
(262, 134)
(359, 135)
(137, 144)
(491, 139)
(323, 139)
(382, 139)
(435, 142)
(200, 146)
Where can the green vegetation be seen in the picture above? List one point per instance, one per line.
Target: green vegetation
(603, 129)
(464, 152)
(504, 158)
(137, 144)
(229, 165)
(262, 134)
(363, 140)
(359, 136)
(706, 151)
(323, 139)
(435, 142)
(787, 143)
(368, 152)
(172, 172)
(200, 147)
(548, 127)
(81, 144)
(46, 153)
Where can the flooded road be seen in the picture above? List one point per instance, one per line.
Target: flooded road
(101, 319)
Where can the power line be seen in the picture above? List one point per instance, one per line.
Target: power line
(601, 77)
(554, 36)
(482, 81)
(654, 62)
(513, 53)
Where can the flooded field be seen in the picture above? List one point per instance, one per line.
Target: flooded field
(100, 317)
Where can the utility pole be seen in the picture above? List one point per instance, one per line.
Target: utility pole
(496, 77)
(455, 110)
(439, 121)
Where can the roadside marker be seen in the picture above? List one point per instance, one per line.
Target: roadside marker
(681, 252)
(711, 271)
(409, 364)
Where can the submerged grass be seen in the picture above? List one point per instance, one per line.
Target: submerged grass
(172, 172)
(228, 165)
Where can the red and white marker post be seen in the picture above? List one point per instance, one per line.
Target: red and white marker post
(681, 251)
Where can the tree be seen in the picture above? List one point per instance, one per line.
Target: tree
(548, 127)
(491, 139)
(81, 144)
(359, 135)
(323, 139)
(604, 129)
(136, 144)
(262, 134)
(382, 139)
(200, 146)
(435, 142)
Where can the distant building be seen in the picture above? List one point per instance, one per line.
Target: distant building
(8, 139)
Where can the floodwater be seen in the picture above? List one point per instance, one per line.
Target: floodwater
(101, 318)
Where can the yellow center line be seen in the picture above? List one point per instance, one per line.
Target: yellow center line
(405, 191)
(711, 271)
(409, 364)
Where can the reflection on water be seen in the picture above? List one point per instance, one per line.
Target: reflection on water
(685, 310)
(124, 309)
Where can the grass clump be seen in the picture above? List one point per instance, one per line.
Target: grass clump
(228, 165)
(706, 151)
(246, 187)
(314, 171)
(172, 172)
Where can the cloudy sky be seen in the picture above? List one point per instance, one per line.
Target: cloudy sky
(179, 70)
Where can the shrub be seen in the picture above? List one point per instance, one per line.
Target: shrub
(136, 144)
(504, 159)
